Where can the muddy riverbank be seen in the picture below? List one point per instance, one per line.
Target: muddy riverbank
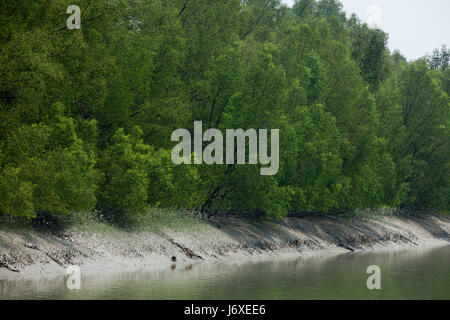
(30, 253)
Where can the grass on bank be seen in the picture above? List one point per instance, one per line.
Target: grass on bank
(157, 219)
(153, 220)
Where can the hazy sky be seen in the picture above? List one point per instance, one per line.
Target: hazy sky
(415, 27)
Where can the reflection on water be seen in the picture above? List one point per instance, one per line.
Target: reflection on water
(410, 274)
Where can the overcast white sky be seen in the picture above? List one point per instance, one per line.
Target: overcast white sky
(415, 27)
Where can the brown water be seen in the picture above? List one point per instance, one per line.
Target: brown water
(408, 274)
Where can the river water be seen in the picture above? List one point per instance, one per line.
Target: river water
(407, 274)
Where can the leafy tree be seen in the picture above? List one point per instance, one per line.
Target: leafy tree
(86, 115)
(124, 183)
(49, 168)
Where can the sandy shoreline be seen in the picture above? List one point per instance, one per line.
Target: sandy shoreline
(33, 254)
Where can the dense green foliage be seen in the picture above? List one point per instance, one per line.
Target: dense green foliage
(86, 115)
